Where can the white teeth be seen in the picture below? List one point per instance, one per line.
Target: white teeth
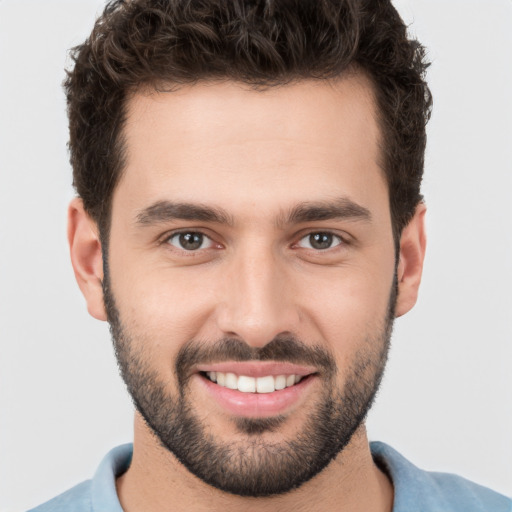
(221, 379)
(245, 384)
(265, 384)
(231, 381)
(280, 382)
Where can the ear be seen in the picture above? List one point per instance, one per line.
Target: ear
(413, 242)
(86, 257)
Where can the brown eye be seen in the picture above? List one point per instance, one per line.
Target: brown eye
(320, 241)
(190, 241)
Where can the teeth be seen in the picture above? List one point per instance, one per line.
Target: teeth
(245, 384)
(265, 384)
(280, 382)
(231, 381)
(221, 379)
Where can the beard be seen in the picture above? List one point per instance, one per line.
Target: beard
(253, 466)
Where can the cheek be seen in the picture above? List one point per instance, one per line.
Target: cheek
(163, 306)
(351, 307)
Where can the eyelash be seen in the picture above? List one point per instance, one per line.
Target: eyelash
(336, 239)
(167, 240)
(333, 236)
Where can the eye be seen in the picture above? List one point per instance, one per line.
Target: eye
(190, 241)
(320, 241)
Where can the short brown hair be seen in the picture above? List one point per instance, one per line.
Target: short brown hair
(166, 43)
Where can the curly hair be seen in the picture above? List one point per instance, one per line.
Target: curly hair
(262, 43)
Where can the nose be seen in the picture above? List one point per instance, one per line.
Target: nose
(258, 300)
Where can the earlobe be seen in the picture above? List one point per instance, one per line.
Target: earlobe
(86, 257)
(410, 266)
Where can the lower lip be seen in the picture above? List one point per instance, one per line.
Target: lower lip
(257, 405)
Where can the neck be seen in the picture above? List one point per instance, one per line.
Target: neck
(157, 481)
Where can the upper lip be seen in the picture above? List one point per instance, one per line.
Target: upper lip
(257, 368)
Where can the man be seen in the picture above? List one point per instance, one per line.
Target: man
(250, 222)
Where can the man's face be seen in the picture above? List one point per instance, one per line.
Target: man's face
(251, 237)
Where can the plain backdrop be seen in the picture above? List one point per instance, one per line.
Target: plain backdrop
(446, 402)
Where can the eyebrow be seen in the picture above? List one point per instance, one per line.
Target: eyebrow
(341, 208)
(165, 211)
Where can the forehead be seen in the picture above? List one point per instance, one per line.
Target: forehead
(231, 144)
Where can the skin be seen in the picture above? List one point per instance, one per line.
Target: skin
(256, 155)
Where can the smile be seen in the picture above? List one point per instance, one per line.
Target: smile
(256, 389)
(246, 384)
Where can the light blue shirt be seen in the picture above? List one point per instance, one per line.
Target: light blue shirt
(415, 490)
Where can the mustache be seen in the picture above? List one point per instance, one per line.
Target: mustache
(283, 348)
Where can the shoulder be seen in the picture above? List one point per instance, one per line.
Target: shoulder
(76, 499)
(98, 494)
(425, 491)
(459, 492)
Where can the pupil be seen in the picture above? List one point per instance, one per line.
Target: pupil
(320, 240)
(191, 241)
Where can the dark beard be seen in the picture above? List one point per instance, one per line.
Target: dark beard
(253, 467)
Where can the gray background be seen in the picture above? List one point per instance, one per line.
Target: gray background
(446, 400)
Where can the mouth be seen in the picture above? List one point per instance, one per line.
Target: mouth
(256, 390)
(248, 384)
